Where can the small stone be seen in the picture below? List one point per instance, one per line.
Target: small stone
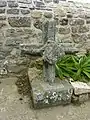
(36, 14)
(83, 98)
(64, 30)
(39, 4)
(75, 98)
(2, 17)
(83, 29)
(19, 21)
(12, 4)
(13, 11)
(22, 5)
(37, 24)
(87, 16)
(87, 21)
(3, 3)
(25, 1)
(69, 15)
(80, 88)
(25, 11)
(76, 21)
(74, 29)
(48, 1)
(2, 11)
(79, 38)
(56, 1)
(2, 25)
(64, 21)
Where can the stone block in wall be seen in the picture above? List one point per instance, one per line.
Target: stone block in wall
(48, 14)
(19, 21)
(87, 45)
(2, 55)
(64, 30)
(87, 16)
(74, 29)
(79, 38)
(48, 1)
(11, 32)
(2, 17)
(76, 21)
(37, 24)
(13, 11)
(69, 15)
(36, 14)
(59, 11)
(4, 52)
(88, 35)
(83, 37)
(22, 5)
(75, 37)
(2, 24)
(23, 11)
(3, 3)
(64, 21)
(87, 21)
(83, 29)
(12, 4)
(13, 41)
(25, 1)
(2, 11)
(62, 38)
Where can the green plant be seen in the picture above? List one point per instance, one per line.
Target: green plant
(71, 66)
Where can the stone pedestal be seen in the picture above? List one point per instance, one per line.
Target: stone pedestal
(46, 95)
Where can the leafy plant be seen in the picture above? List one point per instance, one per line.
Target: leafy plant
(71, 66)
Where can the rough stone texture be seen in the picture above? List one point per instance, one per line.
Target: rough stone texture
(78, 99)
(26, 19)
(45, 95)
(75, 22)
(2, 17)
(24, 29)
(64, 30)
(48, 14)
(2, 11)
(3, 3)
(36, 14)
(19, 21)
(12, 11)
(80, 88)
(83, 97)
(25, 11)
(12, 4)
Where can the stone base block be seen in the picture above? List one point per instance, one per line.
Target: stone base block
(46, 95)
(80, 88)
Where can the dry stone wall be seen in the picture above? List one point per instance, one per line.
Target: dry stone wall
(21, 23)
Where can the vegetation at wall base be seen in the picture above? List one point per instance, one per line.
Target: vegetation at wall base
(75, 67)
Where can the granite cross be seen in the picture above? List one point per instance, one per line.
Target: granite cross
(49, 49)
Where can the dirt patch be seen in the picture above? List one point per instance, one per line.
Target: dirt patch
(23, 84)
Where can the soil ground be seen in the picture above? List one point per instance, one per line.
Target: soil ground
(14, 106)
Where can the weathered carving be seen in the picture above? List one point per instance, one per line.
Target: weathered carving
(50, 50)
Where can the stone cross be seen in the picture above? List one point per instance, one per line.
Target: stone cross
(50, 49)
(51, 52)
